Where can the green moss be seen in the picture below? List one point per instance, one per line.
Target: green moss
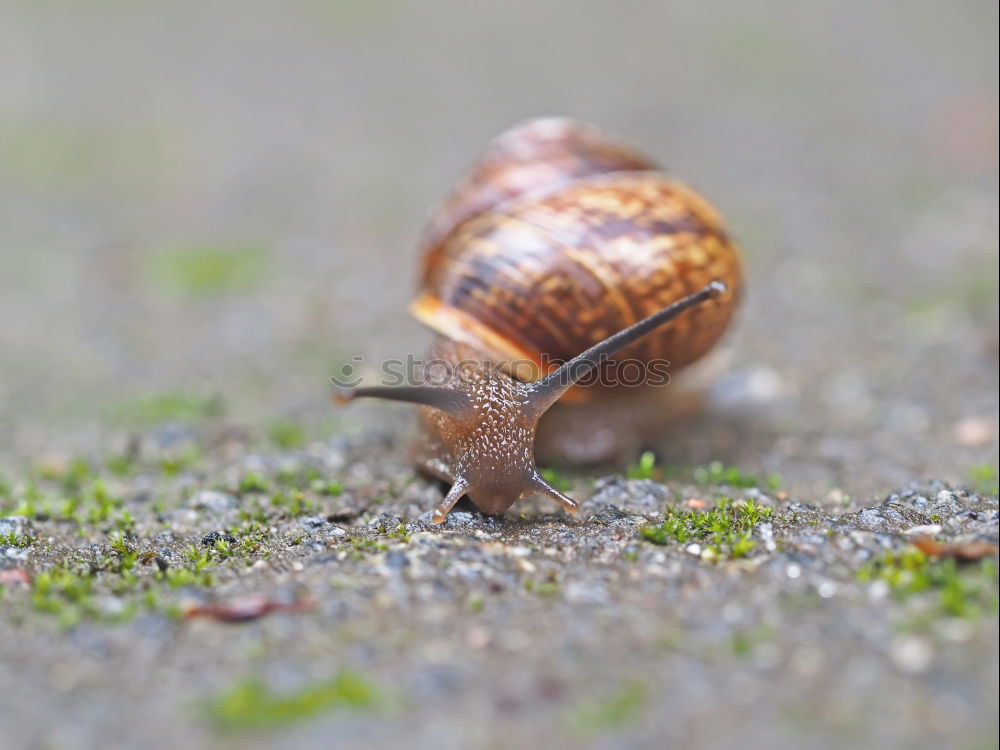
(557, 480)
(110, 587)
(253, 482)
(671, 639)
(293, 504)
(744, 642)
(400, 533)
(21, 541)
(98, 504)
(298, 477)
(740, 546)
(180, 461)
(71, 477)
(199, 559)
(124, 522)
(251, 704)
(984, 479)
(363, 546)
(612, 711)
(726, 530)
(121, 545)
(173, 406)
(23, 503)
(69, 595)
(716, 473)
(83, 502)
(180, 577)
(250, 542)
(120, 465)
(223, 548)
(254, 515)
(644, 468)
(548, 587)
(958, 591)
(122, 562)
(674, 528)
(205, 271)
(287, 435)
(61, 593)
(329, 488)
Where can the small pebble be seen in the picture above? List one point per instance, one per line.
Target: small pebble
(15, 526)
(214, 502)
(212, 537)
(927, 529)
(827, 589)
(911, 653)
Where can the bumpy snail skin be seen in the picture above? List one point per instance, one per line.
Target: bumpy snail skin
(486, 448)
(480, 426)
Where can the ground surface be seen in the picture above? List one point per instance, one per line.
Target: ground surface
(203, 213)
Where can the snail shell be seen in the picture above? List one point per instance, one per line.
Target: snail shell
(536, 154)
(560, 236)
(561, 245)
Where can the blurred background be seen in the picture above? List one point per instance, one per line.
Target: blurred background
(209, 207)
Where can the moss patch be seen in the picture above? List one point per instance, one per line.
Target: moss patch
(252, 704)
(717, 473)
(968, 591)
(726, 530)
(201, 271)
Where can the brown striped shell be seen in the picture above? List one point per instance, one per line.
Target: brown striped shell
(533, 155)
(560, 236)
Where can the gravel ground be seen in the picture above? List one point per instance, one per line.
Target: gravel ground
(205, 212)
(230, 613)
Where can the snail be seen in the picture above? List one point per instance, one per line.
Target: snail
(560, 248)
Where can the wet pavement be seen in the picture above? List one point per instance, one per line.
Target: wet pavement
(205, 213)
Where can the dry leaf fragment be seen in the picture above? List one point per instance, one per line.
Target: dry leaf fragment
(15, 575)
(973, 431)
(246, 608)
(962, 552)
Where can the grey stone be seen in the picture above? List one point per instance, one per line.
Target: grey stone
(214, 502)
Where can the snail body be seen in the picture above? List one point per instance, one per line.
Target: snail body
(560, 248)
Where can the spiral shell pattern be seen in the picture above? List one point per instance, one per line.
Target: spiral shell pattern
(556, 267)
